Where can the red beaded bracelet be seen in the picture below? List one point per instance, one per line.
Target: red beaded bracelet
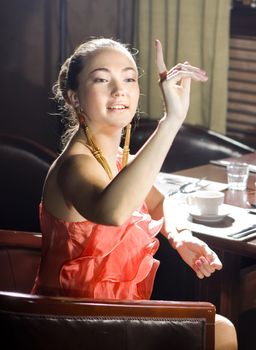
(163, 76)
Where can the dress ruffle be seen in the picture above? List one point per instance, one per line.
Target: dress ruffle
(117, 262)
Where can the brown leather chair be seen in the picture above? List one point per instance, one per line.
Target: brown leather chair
(36, 322)
(39, 322)
(24, 165)
(20, 254)
(193, 146)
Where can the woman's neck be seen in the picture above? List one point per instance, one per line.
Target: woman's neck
(107, 140)
(106, 143)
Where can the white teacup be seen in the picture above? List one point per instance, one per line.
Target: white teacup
(207, 202)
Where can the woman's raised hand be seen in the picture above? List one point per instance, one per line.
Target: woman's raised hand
(175, 84)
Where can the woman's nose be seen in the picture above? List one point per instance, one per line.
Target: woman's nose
(117, 89)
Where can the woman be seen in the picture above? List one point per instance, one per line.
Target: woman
(99, 215)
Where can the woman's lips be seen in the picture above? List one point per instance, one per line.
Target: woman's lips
(117, 107)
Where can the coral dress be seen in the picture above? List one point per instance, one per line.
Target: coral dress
(85, 259)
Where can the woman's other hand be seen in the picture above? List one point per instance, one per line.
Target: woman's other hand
(196, 254)
(175, 84)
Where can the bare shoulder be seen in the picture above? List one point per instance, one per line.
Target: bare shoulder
(81, 169)
(73, 184)
(74, 165)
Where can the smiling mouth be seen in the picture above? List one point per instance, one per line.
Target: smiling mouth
(117, 108)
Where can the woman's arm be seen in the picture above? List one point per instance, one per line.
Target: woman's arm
(112, 203)
(192, 250)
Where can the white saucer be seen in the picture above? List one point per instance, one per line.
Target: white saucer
(223, 212)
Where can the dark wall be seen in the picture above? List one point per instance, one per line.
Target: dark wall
(36, 37)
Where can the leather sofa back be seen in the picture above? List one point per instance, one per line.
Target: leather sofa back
(29, 322)
(24, 165)
(192, 146)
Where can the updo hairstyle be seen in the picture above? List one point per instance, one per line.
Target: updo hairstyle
(68, 80)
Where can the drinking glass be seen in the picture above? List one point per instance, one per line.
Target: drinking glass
(237, 174)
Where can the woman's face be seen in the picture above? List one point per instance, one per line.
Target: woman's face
(108, 88)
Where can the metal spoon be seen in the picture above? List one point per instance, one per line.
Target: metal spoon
(194, 186)
(185, 187)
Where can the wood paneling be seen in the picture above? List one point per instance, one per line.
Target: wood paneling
(241, 121)
(35, 39)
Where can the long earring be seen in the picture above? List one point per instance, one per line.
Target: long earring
(80, 116)
(126, 148)
(96, 151)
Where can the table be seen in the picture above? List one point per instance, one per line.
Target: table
(237, 279)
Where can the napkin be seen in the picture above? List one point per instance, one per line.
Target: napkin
(167, 183)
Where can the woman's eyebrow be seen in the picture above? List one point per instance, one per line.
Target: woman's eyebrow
(129, 68)
(108, 70)
(100, 69)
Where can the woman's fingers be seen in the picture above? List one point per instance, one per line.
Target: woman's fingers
(197, 270)
(213, 259)
(161, 67)
(178, 72)
(186, 72)
(175, 84)
(204, 267)
(216, 264)
(188, 67)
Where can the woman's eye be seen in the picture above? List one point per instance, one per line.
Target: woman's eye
(100, 80)
(130, 80)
